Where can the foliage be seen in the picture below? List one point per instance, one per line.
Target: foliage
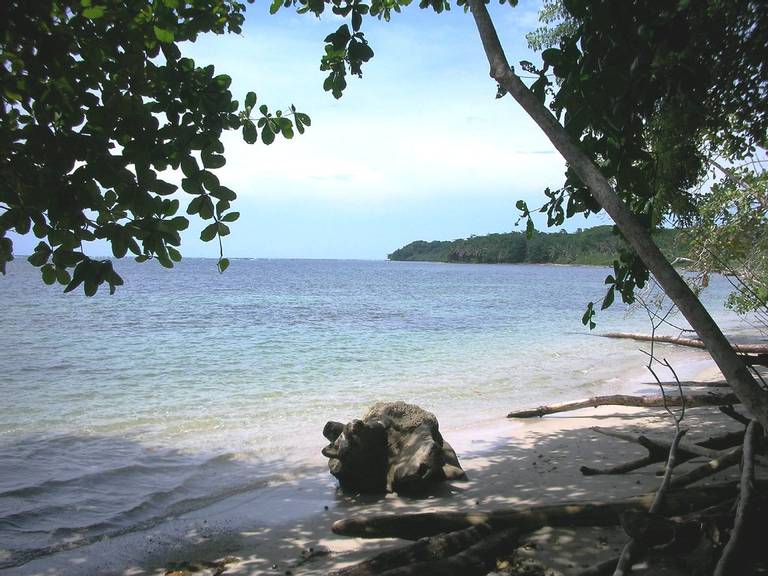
(650, 88)
(593, 246)
(731, 236)
(556, 22)
(97, 103)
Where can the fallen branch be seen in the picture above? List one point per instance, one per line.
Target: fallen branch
(425, 549)
(690, 342)
(712, 467)
(691, 384)
(699, 448)
(658, 451)
(477, 560)
(415, 526)
(730, 561)
(691, 401)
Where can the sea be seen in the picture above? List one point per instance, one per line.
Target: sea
(188, 387)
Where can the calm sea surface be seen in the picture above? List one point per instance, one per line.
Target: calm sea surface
(187, 386)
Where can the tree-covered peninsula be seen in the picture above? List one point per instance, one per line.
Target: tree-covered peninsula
(596, 246)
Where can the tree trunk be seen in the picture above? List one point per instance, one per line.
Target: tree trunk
(692, 401)
(734, 370)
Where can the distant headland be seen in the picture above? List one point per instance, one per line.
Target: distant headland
(592, 246)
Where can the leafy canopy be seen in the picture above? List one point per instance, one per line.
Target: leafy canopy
(98, 105)
(731, 236)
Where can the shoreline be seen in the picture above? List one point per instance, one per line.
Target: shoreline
(509, 463)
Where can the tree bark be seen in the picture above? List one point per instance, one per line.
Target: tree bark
(477, 560)
(734, 370)
(415, 526)
(699, 449)
(692, 401)
(423, 550)
(730, 561)
(705, 470)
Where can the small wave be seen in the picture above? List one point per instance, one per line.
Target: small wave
(183, 497)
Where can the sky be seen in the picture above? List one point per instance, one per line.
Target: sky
(417, 149)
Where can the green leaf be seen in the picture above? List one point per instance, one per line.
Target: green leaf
(213, 161)
(209, 232)
(62, 276)
(77, 277)
(608, 300)
(231, 217)
(250, 100)
(163, 35)
(94, 12)
(174, 254)
(250, 134)
(191, 186)
(189, 166)
(224, 193)
(267, 136)
(49, 274)
(223, 264)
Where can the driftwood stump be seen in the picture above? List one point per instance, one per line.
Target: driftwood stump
(396, 447)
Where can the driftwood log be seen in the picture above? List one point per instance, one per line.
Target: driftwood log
(658, 450)
(690, 401)
(708, 469)
(701, 448)
(415, 526)
(423, 550)
(689, 384)
(396, 447)
(476, 560)
(690, 342)
(457, 544)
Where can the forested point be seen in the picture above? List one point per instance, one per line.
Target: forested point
(593, 246)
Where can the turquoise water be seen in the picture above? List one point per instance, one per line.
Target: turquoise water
(188, 386)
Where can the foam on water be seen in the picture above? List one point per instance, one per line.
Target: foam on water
(188, 387)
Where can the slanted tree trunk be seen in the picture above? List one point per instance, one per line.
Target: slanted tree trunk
(732, 367)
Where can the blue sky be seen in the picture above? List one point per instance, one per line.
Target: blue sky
(419, 148)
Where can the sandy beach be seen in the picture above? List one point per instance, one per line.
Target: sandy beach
(286, 528)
